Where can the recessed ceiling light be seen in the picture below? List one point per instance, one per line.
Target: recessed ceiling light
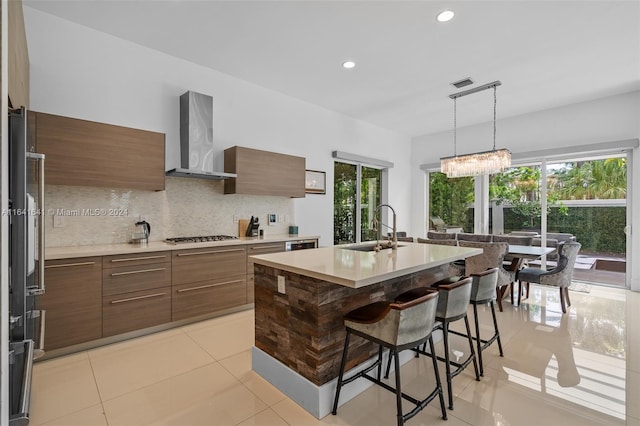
(445, 16)
(348, 64)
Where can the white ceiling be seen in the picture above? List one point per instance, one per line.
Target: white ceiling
(546, 53)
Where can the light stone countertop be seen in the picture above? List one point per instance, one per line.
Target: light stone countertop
(352, 268)
(53, 253)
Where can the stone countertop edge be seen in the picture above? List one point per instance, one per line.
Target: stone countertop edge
(69, 252)
(313, 263)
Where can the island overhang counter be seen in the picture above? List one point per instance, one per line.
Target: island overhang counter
(302, 296)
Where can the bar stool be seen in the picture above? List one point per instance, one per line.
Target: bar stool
(453, 300)
(483, 291)
(397, 326)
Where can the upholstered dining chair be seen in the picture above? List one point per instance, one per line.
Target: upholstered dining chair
(492, 257)
(483, 238)
(560, 276)
(405, 239)
(439, 242)
(440, 236)
(512, 239)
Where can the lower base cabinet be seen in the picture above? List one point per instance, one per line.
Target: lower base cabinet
(126, 312)
(72, 301)
(204, 297)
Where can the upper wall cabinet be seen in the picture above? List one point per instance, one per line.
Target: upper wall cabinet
(18, 63)
(263, 173)
(87, 153)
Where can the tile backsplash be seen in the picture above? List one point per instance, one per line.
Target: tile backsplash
(188, 207)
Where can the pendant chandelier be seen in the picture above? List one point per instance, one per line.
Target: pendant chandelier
(479, 163)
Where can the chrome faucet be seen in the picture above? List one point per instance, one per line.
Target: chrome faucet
(393, 243)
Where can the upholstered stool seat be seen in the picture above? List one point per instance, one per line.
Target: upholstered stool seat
(397, 326)
(453, 300)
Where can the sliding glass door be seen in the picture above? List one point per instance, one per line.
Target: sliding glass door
(357, 193)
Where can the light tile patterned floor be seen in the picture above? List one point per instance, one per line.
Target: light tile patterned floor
(572, 369)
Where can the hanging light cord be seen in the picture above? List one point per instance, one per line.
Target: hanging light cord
(494, 117)
(455, 152)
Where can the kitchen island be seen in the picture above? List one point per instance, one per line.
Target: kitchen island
(301, 298)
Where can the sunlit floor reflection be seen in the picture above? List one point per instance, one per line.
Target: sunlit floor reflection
(579, 356)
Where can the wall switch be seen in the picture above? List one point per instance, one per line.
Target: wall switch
(280, 218)
(236, 218)
(281, 287)
(58, 221)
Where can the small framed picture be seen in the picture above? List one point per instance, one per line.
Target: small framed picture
(315, 182)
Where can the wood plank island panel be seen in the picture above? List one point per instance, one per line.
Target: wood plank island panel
(304, 328)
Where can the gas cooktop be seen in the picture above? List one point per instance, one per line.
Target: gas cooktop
(203, 239)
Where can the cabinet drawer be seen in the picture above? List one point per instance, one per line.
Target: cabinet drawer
(201, 298)
(73, 301)
(121, 260)
(191, 266)
(135, 278)
(265, 248)
(133, 311)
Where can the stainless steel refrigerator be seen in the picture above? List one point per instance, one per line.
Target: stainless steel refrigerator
(26, 265)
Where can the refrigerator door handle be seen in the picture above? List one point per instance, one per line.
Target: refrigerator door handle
(38, 351)
(41, 287)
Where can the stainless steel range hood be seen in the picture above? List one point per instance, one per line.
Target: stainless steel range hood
(196, 139)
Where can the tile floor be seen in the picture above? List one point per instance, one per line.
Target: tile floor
(573, 369)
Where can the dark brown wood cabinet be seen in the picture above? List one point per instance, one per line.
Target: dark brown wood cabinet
(73, 301)
(264, 173)
(207, 280)
(136, 290)
(87, 153)
(256, 249)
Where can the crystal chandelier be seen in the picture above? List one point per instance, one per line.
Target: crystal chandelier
(479, 163)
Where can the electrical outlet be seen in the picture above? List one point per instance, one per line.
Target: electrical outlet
(58, 221)
(281, 287)
(236, 218)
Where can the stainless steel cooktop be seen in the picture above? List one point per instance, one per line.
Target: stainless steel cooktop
(199, 239)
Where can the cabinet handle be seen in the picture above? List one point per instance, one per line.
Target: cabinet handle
(142, 271)
(209, 252)
(184, 290)
(278, 246)
(131, 299)
(64, 265)
(131, 259)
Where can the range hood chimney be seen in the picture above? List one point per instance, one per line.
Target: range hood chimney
(196, 139)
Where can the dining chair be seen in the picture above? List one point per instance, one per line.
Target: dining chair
(492, 257)
(440, 235)
(510, 262)
(405, 239)
(439, 242)
(560, 276)
(483, 238)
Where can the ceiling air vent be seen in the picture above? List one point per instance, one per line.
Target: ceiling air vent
(461, 83)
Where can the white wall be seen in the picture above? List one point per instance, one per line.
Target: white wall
(604, 120)
(82, 73)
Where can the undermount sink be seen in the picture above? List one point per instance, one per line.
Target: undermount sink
(368, 247)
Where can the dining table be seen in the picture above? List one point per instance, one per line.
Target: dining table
(518, 254)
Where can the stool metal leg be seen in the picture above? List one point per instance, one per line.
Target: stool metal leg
(341, 375)
(478, 341)
(398, 390)
(473, 355)
(495, 326)
(437, 373)
(447, 364)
